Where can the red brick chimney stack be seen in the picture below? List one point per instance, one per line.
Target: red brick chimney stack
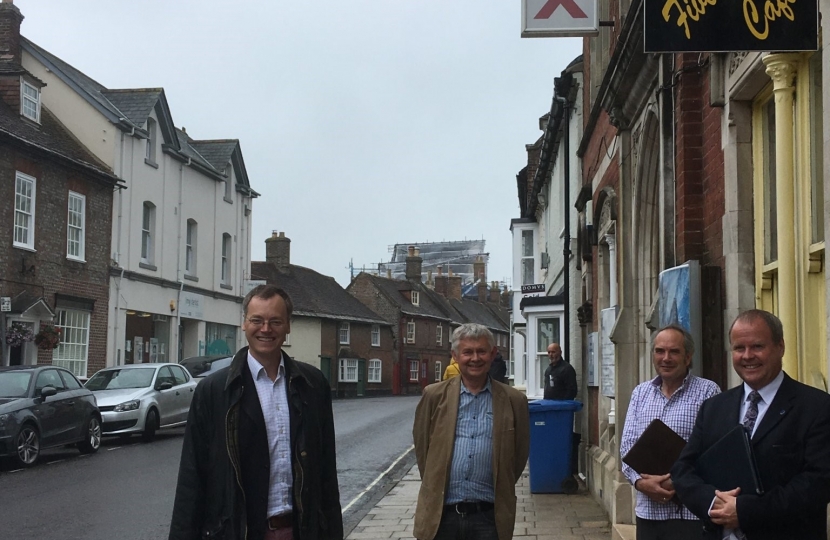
(10, 19)
(413, 264)
(441, 282)
(453, 286)
(479, 268)
(482, 289)
(495, 293)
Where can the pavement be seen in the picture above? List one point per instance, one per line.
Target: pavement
(538, 516)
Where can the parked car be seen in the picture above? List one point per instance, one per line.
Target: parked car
(42, 407)
(141, 398)
(202, 366)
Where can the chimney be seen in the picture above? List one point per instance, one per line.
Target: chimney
(278, 250)
(482, 290)
(413, 264)
(479, 268)
(505, 297)
(10, 19)
(441, 282)
(453, 286)
(495, 292)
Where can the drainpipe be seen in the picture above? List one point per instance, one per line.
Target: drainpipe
(117, 314)
(566, 250)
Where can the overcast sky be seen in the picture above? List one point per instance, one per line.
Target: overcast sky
(363, 123)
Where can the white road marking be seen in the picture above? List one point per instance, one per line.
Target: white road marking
(376, 480)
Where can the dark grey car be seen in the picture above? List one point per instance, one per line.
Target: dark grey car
(42, 407)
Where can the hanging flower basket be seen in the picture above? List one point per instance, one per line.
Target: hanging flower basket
(49, 337)
(17, 334)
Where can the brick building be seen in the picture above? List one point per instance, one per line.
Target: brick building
(55, 203)
(330, 329)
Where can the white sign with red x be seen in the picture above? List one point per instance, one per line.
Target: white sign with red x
(560, 18)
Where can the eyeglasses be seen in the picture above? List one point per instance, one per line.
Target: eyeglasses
(273, 323)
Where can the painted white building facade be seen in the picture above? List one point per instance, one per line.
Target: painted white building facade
(181, 230)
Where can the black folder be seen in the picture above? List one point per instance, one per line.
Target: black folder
(730, 463)
(656, 450)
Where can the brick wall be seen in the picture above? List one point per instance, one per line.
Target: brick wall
(359, 346)
(46, 271)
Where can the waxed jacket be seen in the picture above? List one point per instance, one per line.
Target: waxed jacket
(210, 498)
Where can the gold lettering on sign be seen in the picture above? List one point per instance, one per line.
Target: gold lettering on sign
(693, 9)
(772, 11)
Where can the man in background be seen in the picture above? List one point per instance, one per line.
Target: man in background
(560, 376)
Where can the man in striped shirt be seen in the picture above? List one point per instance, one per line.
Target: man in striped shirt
(472, 439)
(674, 396)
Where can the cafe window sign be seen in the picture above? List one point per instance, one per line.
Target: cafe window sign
(731, 25)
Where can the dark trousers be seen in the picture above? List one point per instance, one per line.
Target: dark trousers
(669, 529)
(478, 526)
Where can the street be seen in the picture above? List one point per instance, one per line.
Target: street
(126, 490)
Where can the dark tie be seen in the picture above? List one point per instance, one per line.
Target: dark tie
(751, 411)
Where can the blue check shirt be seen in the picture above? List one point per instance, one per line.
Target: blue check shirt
(471, 471)
(679, 413)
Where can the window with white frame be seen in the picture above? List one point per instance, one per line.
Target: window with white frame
(348, 370)
(150, 148)
(226, 259)
(29, 101)
(75, 222)
(344, 333)
(413, 370)
(375, 335)
(374, 370)
(416, 298)
(24, 211)
(148, 229)
(74, 347)
(439, 334)
(410, 332)
(527, 258)
(438, 370)
(190, 247)
(228, 187)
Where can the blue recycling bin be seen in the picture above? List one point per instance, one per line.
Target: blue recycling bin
(551, 432)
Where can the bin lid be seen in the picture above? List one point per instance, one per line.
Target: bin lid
(543, 405)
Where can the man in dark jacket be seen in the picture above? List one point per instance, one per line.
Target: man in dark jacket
(498, 369)
(240, 476)
(560, 376)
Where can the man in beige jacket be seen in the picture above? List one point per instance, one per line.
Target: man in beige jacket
(472, 438)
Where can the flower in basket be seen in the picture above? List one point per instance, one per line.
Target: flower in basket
(49, 336)
(17, 334)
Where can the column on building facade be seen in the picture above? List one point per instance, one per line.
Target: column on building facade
(611, 241)
(782, 69)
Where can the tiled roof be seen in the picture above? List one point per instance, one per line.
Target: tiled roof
(314, 294)
(50, 136)
(472, 311)
(187, 148)
(393, 288)
(134, 103)
(217, 153)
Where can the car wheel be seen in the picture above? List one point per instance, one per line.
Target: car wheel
(151, 424)
(92, 442)
(28, 445)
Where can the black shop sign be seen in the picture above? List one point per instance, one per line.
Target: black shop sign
(730, 25)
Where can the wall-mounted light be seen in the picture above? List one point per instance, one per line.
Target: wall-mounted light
(143, 314)
(130, 312)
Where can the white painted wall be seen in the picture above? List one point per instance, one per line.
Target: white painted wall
(178, 191)
(305, 340)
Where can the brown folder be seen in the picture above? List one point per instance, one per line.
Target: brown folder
(656, 450)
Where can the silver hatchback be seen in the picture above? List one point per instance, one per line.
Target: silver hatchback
(141, 398)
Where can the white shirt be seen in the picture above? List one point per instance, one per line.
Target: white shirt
(274, 402)
(767, 395)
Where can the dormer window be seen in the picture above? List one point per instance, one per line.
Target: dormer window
(30, 101)
(416, 298)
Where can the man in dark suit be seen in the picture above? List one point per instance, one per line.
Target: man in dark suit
(789, 423)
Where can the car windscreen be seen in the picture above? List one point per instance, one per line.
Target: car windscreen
(14, 384)
(114, 379)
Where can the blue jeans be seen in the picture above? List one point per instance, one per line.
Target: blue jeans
(478, 526)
